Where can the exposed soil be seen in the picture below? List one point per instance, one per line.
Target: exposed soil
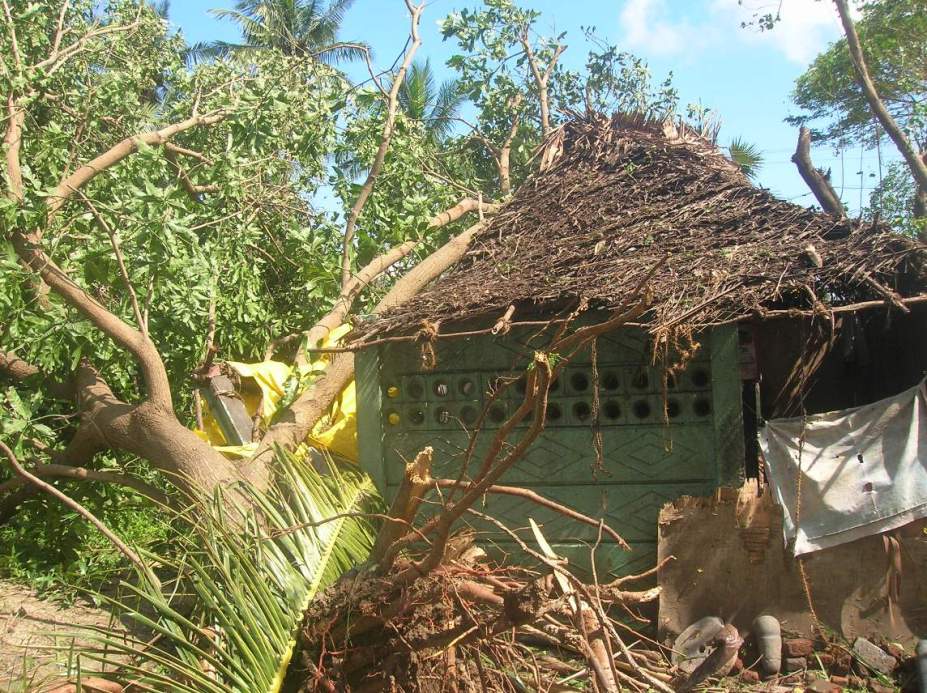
(35, 636)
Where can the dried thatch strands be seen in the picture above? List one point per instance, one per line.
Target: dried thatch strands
(617, 197)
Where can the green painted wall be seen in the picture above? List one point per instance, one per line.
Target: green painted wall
(647, 462)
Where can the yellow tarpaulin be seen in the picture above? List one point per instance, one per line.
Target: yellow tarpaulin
(335, 432)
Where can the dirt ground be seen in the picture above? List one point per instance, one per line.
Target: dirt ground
(35, 636)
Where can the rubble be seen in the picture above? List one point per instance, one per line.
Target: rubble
(874, 656)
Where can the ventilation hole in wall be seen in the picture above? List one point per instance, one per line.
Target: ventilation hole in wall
(442, 416)
(466, 387)
(554, 412)
(582, 411)
(702, 407)
(579, 382)
(612, 410)
(468, 414)
(393, 418)
(700, 377)
(497, 413)
(641, 409)
(416, 417)
(416, 389)
(440, 388)
(392, 391)
(672, 408)
(610, 381)
(640, 381)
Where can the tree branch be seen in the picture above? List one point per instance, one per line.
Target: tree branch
(503, 160)
(63, 471)
(392, 108)
(917, 166)
(141, 347)
(817, 183)
(192, 189)
(19, 371)
(70, 184)
(542, 79)
(73, 505)
(120, 261)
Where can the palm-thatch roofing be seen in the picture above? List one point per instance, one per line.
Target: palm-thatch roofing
(618, 197)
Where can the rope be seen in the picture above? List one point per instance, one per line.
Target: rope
(427, 336)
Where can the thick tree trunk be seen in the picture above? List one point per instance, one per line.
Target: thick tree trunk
(148, 431)
(819, 185)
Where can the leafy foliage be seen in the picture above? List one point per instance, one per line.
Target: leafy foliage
(435, 106)
(893, 34)
(251, 584)
(893, 202)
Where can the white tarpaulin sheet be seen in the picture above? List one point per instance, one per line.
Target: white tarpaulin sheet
(863, 470)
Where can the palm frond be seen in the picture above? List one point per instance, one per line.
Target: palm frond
(342, 52)
(252, 579)
(747, 156)
(446, 108)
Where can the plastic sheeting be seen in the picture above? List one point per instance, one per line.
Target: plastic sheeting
(848, 474)
(336, 432)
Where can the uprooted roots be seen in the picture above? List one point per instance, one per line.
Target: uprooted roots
(466, 626)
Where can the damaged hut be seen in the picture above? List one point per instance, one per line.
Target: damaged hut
(753, 309)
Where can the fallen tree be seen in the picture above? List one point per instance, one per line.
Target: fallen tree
(149, 427)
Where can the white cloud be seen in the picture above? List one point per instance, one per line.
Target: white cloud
(655, 27)
(647, 25)
(804, 30)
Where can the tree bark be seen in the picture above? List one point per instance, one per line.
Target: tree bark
(148, 431)
(819, 185)
(917, 166)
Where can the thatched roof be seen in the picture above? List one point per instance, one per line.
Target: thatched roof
(616, 198)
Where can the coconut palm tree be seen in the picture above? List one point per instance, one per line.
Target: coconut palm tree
(293, 27)
(436, 106)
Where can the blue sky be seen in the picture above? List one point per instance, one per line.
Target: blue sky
(745, 75)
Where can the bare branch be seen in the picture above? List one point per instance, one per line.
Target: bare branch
(63, 471)
(17, 370)
(17, 57)
(503, 160)
(538, 499)
(177, 149)
(468, 204)
(392, 108)
(57, 58)
(819, 185)
(73, 505)
(12, 141)
(191, 188)
(542, 79)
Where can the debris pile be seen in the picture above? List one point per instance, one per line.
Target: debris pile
(709, 648)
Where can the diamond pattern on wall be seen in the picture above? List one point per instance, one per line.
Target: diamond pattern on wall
(643, 451)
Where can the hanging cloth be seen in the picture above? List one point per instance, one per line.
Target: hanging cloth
(848, 474)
